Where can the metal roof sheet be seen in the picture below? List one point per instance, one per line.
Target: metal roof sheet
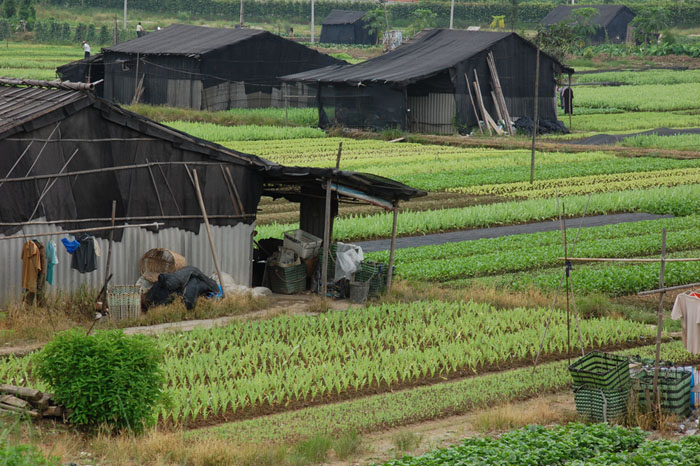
(19, 105)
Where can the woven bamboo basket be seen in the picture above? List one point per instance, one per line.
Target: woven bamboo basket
(160, 260)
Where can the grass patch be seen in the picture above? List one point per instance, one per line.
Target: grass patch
(347, 445)
(406, 441)
(632, 121)
(233, 117)
(311, 451)
(223, 134)
(678, 141)
(512, 416)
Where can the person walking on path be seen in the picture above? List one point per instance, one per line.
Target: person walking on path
(139, 30)
(86, 48)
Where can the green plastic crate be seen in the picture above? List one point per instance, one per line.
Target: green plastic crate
(374, 272)
(601, 370)
(674, 388)
(287, 280)
(599, 405)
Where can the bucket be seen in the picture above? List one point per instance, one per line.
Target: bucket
(359, 292)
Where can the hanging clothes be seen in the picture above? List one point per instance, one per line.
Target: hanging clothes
(687, 309)
(31, 266)
(51, 260)
(567, 96)
(84, 260)
(70, 245)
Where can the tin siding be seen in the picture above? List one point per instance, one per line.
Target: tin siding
(233, 245)
(433, 113)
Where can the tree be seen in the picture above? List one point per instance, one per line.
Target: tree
(27, 11)
(650, 22)
(4, 29)
(374, 22)
(105, 37)
(9, 8)
(422, 18)
(582, 22)
(557, 40)
(514, 14)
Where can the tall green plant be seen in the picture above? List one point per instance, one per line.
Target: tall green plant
(108, 378)
(375, 22)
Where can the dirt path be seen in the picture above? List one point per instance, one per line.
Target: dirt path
(380, 446)
(495, 232)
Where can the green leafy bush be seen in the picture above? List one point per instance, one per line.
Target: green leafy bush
(108, 378)
(24, 455)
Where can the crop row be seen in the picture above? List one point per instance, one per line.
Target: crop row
(646, 97)
(678, 200)
(392, 409)
(574, 444)
(248, 366)
(587, 184)
(678, 141)
(540, 250)
(613, 279)
(223, 134)
(636, 78)
(631, 121)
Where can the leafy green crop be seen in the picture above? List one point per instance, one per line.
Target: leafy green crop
(223, 134)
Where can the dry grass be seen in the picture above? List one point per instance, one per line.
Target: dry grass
(665, 424)
(319, 304)
(514, 416)
(30, 323)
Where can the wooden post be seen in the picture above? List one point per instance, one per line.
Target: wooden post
(206, 224)
(136, 79)
(241, 15)
(327, 228)
(660, 320)
(109, 254)
(390, 272)
(535, 122)
(471, 99)
(568, 273)
(313, 20)
(572, 104)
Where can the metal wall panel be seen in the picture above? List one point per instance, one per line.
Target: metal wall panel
(234, 247)
(433, 113)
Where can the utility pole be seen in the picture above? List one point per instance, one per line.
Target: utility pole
(452, 12)
(241, 20)
(125, 14)
(313, 26)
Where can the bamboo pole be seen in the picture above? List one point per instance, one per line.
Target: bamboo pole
(669, 288)
(535, 123)
(660, 320)
(471, 99)
(41, 151)
(327, 228)
(562, 216)
(170, 189)
(100, 170)
(206, 224)
(612, 259)
(49, 184)
(120, 219)
(392, 249)
(235, 190)
(17, 161)
(155, 187)
(572, 104)
(84, 230)
(229, 189)
(109, 254)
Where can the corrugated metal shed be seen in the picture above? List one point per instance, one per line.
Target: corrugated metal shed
(19, 105)
(233, 245)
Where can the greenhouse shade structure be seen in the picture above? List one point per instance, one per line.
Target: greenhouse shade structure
(68, 155)
(612, 21)
(346, 27)
(86, 70)
(206, 68)
(421, 86)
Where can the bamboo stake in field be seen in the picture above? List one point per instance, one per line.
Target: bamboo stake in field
(535, 123)
(392, 249)
(660, 320)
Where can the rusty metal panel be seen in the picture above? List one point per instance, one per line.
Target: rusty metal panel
(233, 244)
(433, 113)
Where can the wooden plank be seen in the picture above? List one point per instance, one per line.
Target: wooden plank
(499, 92)
(477, 93)
(53, 411)
(498, 106)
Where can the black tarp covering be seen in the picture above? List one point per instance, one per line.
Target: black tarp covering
(346, 27)
(86, 70)
(612, 20)
(188, 282)
(190, 59)
(95, 135)
(374, 94)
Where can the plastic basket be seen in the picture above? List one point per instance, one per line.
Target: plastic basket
(304, 244)
(376, 273)
(124, 301)
(601, 370)
(287, 280)
(160, 260)
(600, 405)
(674, 390)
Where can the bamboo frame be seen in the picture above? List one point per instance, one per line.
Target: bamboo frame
(123, 219)
(84, 230)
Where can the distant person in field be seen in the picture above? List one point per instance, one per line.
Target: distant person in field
(139, 30)
(86, 48)
(291, 33)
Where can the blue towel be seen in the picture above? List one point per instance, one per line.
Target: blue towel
(71, 245)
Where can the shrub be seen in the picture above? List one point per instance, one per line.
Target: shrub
(24, 455)
(108, 378)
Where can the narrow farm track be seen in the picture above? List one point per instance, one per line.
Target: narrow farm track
(543, 145)
(266, 410)
(496, 232)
